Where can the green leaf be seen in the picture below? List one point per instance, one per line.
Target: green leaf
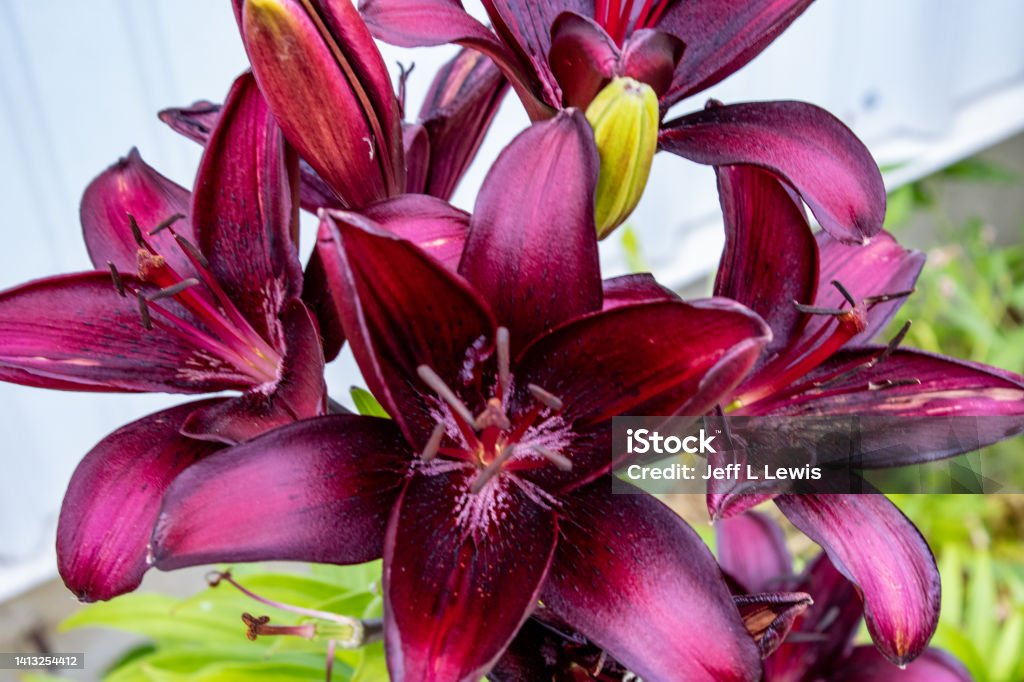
(1007, 656)
(359, 578)
(980, 617)
(366, 404)
(976, 169)
(951, 571)
(372, 665)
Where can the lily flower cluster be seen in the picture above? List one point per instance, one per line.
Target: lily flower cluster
(497, 350)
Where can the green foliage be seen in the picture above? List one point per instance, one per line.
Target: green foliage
(366, 404)
(969, 304)
(202, 637)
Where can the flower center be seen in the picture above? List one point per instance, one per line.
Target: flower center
(820, 346)
(490, 440)
(621, 17)
(227, 335)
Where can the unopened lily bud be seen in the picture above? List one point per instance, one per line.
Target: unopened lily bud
(624, 116)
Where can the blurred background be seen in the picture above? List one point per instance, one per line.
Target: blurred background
(936, 90)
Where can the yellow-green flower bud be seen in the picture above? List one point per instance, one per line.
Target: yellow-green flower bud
(624, 116)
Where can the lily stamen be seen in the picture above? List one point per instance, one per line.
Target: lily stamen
(191, 249)
(163, 225)
(174, 289)
(502, 342)
(549, 400)
(147, 321)
(437, 384)
(118, 282)
(256, 626)
(559, 460)
(433, 443)
(491, 469)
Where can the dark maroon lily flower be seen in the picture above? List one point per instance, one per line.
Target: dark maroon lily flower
(561, 53)
(489, 488)
(820, 645)
(192, 295)
(824, 302)
(456, 114)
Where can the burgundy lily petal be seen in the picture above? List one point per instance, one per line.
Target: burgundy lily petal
(299, 394)
(534, 223)
(318, 490)
(432, 224)
(724, 503)
(417, 157)
(424, 23)
(825, 632)
(651, 57)
(877, 268)
(76, 331)
(197, 122)
(808, 147)
(637, 288)
(112, 502)
(770, 258)
(752, 549)
(664, 368)
(879, 550)
(534, 654)
(457, 112)
(583, 58)
(770, 616)
(920, 406)
(721, 36)
(243, 210)
(402, 308)
(131, 187)
(527, 27)
(452, 605)
(630, 575)
(316, 63)
(865, 664)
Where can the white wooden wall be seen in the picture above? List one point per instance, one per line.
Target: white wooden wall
(80, 82)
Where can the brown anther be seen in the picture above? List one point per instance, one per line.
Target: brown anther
(559, 460)
(166, 223)
(433, 443)
(174, 289)
(493, 415)
(253, 625)
(147, 322)
(137, 233)
(435, 382)
(549, 400)
(892, 383)
(883, 298)
(116, 276)
(193, 250)
(213, 578)
(491, 470)
(816, 310)
(845, 293)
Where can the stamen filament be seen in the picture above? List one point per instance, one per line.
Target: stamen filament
(845, 292)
